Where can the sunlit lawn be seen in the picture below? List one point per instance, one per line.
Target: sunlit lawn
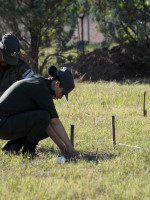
(100, 172)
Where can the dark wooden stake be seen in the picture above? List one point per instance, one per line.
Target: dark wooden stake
(72, 134)
(113, 131)
(96, 156)
(144, 111)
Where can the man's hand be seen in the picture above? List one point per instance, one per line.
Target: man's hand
(71, 151)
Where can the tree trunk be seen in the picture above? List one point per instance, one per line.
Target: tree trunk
(34, 52)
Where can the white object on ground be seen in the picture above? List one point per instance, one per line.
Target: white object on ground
(61, 159)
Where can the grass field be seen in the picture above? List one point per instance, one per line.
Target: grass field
(101, 172)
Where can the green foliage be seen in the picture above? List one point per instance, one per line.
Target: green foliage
(83, 6)
(42, 23)
(125, 22)
(60, 60)
(39, 24)
(100, 172)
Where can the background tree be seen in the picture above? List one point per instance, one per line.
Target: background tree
(38, 24)
(126, 22)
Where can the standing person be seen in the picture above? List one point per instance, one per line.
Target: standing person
(27, 112)
(13, 66)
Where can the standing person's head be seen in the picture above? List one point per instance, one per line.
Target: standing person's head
(62, 81)
(9, 50)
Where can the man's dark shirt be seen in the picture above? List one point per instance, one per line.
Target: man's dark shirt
(27, 95)
(12, 73)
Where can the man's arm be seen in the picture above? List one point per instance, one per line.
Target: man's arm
(52, 134)
(61, 133)
(25, 71)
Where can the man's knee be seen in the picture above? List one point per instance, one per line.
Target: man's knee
(41, 116)
(44, 115)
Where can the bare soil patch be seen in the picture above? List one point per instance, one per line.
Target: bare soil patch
(105, 64)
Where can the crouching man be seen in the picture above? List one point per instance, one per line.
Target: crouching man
(28, 114)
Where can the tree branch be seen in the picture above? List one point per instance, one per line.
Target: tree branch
(127, 32)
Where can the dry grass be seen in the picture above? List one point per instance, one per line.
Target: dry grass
(101, 172)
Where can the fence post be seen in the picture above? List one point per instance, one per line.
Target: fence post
(113, 131)
(144, 111)
(72, 135)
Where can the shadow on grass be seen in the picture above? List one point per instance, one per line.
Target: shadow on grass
(90, 156)
(47, 150)
(87, 156)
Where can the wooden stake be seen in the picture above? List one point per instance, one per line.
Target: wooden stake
(72, 134)
(96, 156)
(113, 131)
(144, 111)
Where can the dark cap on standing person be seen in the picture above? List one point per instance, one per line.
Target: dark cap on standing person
(10, 48)
(64, 76)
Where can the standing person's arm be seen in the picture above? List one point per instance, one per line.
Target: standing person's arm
(1, 93)
(61, 133)
(24, 71)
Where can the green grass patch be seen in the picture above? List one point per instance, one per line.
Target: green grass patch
(100, 172)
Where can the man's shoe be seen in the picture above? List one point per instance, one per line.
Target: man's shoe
(29, 150)
(13, 145)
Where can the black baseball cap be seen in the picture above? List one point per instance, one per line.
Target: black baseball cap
(10, 48)
(65, 77)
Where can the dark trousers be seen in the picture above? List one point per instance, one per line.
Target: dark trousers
(30, 125)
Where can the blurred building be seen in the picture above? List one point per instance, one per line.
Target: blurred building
(86, 30)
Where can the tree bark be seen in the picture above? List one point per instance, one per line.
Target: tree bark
(34, 52)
